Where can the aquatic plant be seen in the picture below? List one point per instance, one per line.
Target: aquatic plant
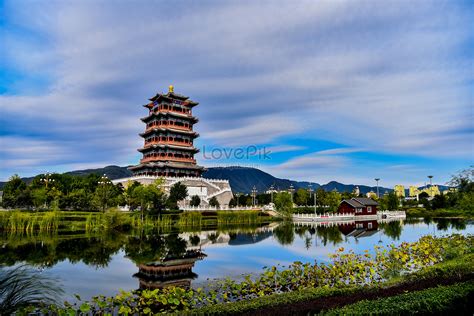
(190, 219)
(237, 217)
(21, 286)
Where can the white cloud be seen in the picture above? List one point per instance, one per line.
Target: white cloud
(393, 76)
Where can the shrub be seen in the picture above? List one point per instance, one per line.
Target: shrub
(456, 299)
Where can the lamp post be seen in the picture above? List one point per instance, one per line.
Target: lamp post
(431, 185)
(310, 190)
(377, 180)
(104, 182)
(237, 195)
(46, 179)
(292, 190)
(254, 195)
(272, 188)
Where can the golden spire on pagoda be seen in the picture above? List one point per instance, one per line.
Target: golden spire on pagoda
(170, 88)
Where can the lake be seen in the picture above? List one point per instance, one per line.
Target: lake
(90, 265)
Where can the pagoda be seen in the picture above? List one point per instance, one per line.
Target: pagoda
(168, 149)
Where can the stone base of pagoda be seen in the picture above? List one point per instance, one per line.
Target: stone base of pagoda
(202, 187)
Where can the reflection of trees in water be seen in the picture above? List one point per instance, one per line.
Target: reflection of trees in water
(442, 223)
(392, 229)
(22, 286)
(145, 248)
(37, 251)
(151, 248)
(427, 220)
(458, 224)
(329, 234)
(213, 237)
(445, 223)
(194, 240)
(284, 233)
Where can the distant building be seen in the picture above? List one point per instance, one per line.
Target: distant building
(413, 191)
(399, 190)
(431, 190)
(356, 191)
(358, 206)
(371, 195)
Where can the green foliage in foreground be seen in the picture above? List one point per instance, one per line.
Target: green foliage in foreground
(456, 299)
(347, 269)
(21, 286)
(456, 269)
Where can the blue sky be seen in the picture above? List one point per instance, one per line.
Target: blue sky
(334, 90)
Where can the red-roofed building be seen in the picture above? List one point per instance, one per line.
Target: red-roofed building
(358, 206)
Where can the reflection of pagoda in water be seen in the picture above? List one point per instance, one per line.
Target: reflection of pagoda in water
(175, 271)
(358, 229)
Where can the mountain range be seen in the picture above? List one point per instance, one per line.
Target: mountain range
(242, 179)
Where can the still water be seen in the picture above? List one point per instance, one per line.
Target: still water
(103, 264)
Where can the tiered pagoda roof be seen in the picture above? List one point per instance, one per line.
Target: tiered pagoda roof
(168, 149)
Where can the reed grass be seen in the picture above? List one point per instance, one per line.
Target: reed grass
(18, 222)
(190, 219)
(237, 217)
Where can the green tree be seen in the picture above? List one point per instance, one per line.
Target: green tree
(12, 190)
(301, 197)
(263, 198)
(463, 198)
(389, 202)
(195, 200)
(233, 202)
(283, 203)
(439, 201)
(214, 202)
(150, 198)
(103, 195)
(178, 192)
(332, 200)
(39, 196)
(320, 196)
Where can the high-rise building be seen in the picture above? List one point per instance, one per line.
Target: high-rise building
(399, 190)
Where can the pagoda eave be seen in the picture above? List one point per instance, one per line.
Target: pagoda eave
(170, 113)
(170, 96)
(167, 164)
(177, 131)
(164, 146)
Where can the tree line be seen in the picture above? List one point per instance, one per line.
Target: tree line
(90, 193)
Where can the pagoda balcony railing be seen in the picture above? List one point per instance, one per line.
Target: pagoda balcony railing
(184, 113)
(167, 142)
(164, 106)
(184, 128)
(168, 158)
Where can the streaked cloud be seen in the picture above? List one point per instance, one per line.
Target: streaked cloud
(385, 81)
